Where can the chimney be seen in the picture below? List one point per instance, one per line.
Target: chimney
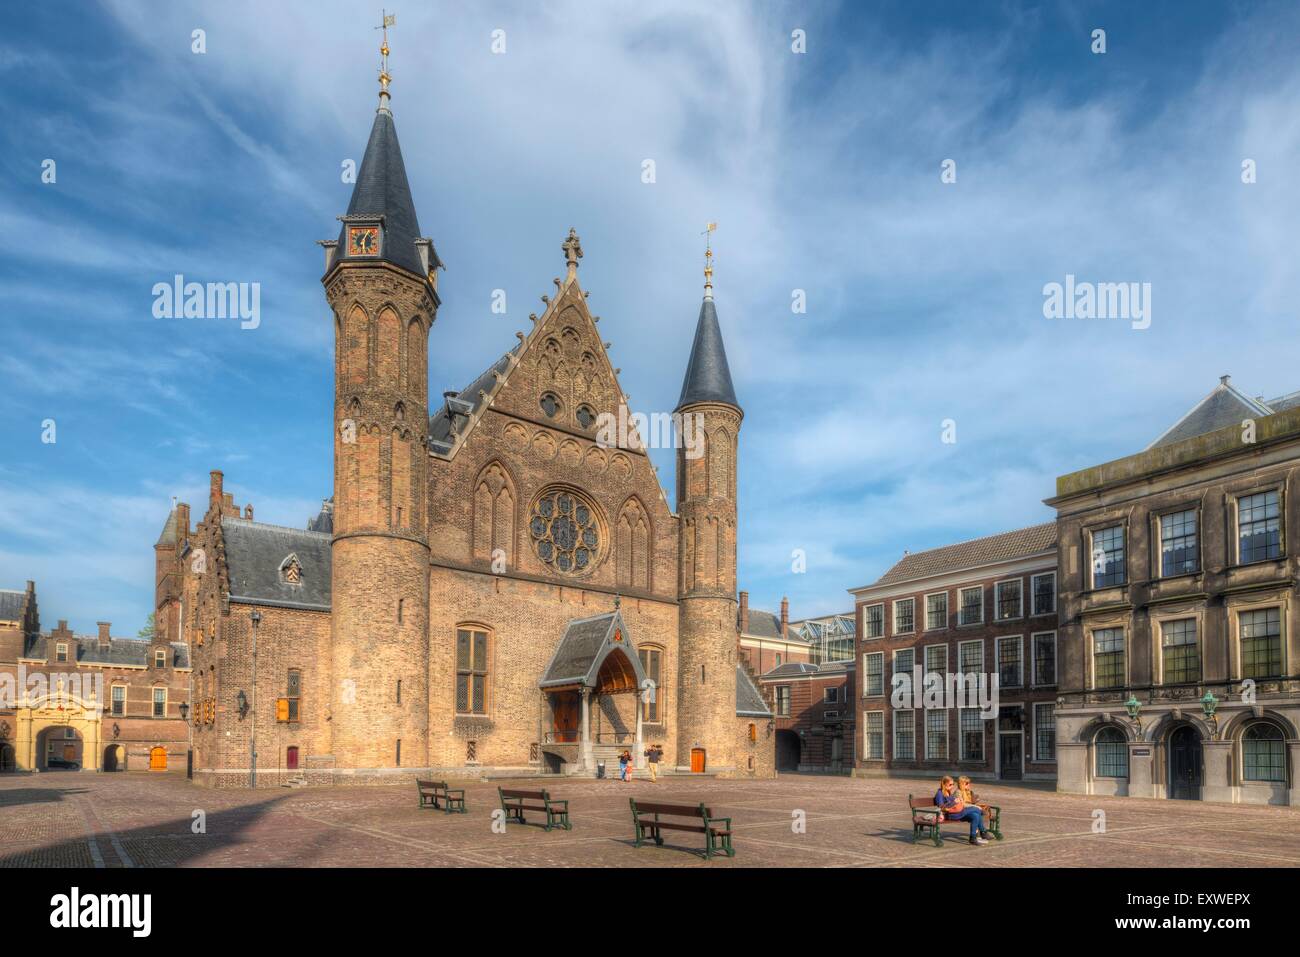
(744, 611)
(183, 520)
(214, 489)
(104, 638)
(785, 616)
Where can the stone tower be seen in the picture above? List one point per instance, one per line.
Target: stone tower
(381, 283)
(706, 509)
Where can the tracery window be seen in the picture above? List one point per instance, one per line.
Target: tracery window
(565, 531)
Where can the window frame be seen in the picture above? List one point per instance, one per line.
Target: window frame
(894, 618)
(865, 609)
(488, 646)
(1033, 664)
(1092, 658)
(904, 719)
(997, 657)
(925, 659)
(867, 733)
(1282, 608)
(1160, 646)
(153, 713)
(1158, 541)
(649, 649)
(866, 673)
(962, 754)
(961, 606)
(1033, 594)
(997, 600)
(1121, 747)
(1241, 749)
(936, 594)
(947, 746)
(1092, 548)
(961, 668)
(1281, 525)
(1038, 755)
(782, 699)
(112, 700)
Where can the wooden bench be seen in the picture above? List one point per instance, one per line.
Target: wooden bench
(927, 817)
(647, 820)
(436, 794)
(515, 803)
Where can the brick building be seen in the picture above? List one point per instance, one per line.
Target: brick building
(88, 702)
(494, 583)
(983, 607)
(766, 639)
(1180, 656)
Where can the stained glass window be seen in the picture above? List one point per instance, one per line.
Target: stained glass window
(565, 533)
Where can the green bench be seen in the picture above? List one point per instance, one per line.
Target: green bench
(515, 803)
(436, 794)
(648, 821)
(928, 820)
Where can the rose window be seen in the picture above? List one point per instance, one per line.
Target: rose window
(565, 532)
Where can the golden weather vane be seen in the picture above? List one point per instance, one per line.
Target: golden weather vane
(708, 258)
(387, 20)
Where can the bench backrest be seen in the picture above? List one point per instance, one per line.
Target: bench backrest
(917, 804)
(525, 795)
(425, 785)
(681, 810)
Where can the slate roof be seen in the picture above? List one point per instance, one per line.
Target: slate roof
(324, 520)
(254, 554)
(1224, 406)
(120, 651)
(583, 649)
(382, 190)
(168, 536)
(800, 669)
(749, 702)
(708, 378)
(764, 624)
(467, 402)
(972, 554)
(11, 605)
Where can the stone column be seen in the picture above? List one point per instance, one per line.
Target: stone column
(1293, 752)
(1141, 765)
(586, 730)
(24, 756)
(1216, 784)
(638, 757)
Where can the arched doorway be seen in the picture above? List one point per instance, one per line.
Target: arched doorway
(158, 759)
(697, 761)
(59, 748)
(787, 751)
(114, 758)
(7, 762)
(1185, 762)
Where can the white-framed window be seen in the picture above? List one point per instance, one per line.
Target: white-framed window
(936, 659)
(873, 735)
(119, 700)
(936, 611)
(1009, 599)
(60, 652)
(1045, 731)
(873, 674)
(830, 696)
(936, 734)
(783, 701)
(1011, 666)
(1044, 661)
(971, 605)
(905, 735)
(160, 658)
(160, 702)
(1108, 665)
(1109, 557)
(904, 661)
(1178, 547)
(972, 734)
(873, 621)
(1259, 526)
(970, 657)
(904, 616)
(1043, 593)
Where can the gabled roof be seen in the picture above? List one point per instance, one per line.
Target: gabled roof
(254, 554)
(1225, 405)
(708, 378)
(11, 605)
(587, 642)
(381, 190)
(120, 651)
(764, 624)
(749, 701)
(975, 553)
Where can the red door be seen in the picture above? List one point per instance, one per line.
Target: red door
(697, 760)
(291, 759)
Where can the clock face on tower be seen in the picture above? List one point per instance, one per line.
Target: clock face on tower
(363, 240)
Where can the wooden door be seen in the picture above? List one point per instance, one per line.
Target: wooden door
(69, 752)
(697, 760)
(158, 759)
(565, 709)
(291, 759)
(1185, 764)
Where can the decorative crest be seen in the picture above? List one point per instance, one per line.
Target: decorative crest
(708, 259)
(572, 252)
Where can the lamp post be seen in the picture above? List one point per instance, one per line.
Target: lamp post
(256, 618)
(1209, 705)
(1134, 708)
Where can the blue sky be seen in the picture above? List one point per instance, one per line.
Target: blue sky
(822, 169)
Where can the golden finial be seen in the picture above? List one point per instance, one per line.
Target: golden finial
(387, 20)
(708, 259)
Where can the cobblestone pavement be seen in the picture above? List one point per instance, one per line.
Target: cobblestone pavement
(72, 819)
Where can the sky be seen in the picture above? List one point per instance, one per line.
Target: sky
(815, 134)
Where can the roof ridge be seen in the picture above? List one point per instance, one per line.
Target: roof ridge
(250, 523)
(978, 538)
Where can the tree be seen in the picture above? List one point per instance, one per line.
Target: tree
(147, 632)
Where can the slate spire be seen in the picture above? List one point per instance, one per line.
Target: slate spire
(708, 378)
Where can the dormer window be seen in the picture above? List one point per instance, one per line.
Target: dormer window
(160, 659)
(60, 652)
(291, 570)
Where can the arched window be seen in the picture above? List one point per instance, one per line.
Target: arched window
(652, 663)
(1263, 754)
(472, 649)
(1112, 753)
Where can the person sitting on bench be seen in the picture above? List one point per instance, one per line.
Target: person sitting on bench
(971, 799)
(949, 801)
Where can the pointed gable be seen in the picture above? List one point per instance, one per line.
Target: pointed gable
(1224, 406)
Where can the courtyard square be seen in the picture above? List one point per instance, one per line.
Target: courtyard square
(71, 819)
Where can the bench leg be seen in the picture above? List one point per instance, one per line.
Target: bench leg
(937, 835)
(640, 833)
